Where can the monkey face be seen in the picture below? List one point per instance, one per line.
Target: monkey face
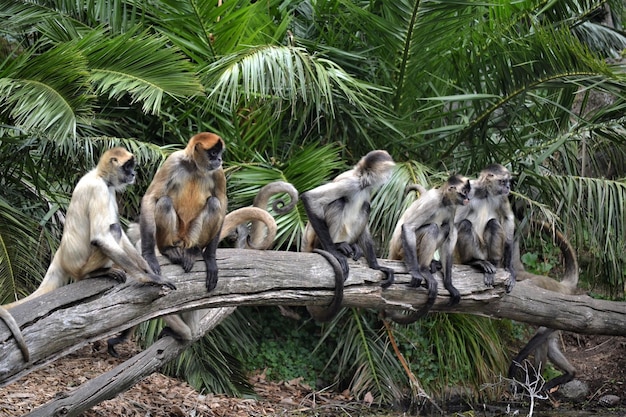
(214, 156)
(127, 172)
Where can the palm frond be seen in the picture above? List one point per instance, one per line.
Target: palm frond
(47, 92)
(364, 357)
(141, 66)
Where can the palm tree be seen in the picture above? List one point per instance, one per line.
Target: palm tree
(444, 86)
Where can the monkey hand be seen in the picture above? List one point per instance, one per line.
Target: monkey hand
(416, 279)
(435, 266)
(488, 269)
(352, 250)
(510, 281)
(455, 295)
(117, 274)
(157, 280)
(153, 263)
(390, 277)
(211, 274)
(431, 285)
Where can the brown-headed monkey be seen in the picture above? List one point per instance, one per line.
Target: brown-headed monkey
(486, 226)
(425, 227)
(183, 210)
(93, 240)
(545, 342)
(182, 326)
(338, 214)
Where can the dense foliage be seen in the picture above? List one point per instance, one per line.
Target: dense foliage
(300, 89)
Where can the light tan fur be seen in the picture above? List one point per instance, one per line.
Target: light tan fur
(93, 240)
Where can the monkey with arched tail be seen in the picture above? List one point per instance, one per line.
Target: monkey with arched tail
(425, 227)
(486, 226)
(338, 214)
(545, 342)
(93, 243)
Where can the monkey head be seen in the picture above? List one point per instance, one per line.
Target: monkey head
(497, 179)
(458, 190)
(375, 168)
(117, 168)
(206, 150)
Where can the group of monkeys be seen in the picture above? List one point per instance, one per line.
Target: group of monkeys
(183, 216)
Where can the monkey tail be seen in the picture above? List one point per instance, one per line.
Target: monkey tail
(571, 275)
(411, 317)
(15, 330)
(251, 214)
(324, 314)
(279, 206)
(415, 187)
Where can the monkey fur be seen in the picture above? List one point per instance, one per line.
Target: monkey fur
(184, 207)
(425, 227)
(183, 215)
(486, 226)
(251, 239)
(338, 214)
(545, 342)
(93, 240)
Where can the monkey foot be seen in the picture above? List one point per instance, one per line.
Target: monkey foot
(509, 284)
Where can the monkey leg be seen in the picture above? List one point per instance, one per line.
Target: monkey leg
(469, 253)
(560, 361)
(324, 314)
(367, 244)
(114, 341)
(534, 344)
(116, 273)
(167, 238)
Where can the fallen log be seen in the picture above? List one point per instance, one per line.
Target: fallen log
(67, 319)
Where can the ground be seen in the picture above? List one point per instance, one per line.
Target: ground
(600, 361)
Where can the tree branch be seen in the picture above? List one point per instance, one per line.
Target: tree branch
(73, 316)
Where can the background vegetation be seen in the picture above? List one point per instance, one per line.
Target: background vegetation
(300, 89)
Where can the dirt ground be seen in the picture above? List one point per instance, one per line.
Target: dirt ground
(600, 360)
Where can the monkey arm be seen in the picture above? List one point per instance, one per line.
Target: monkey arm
(315, 214)
(147, 227)
(447, 250)
(367, 243)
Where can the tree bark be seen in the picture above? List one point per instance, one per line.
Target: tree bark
(127, 374)
(63, 321)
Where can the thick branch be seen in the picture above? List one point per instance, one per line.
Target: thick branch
(65, 320)
(127, 374)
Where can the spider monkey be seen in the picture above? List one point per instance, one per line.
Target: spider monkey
(338, 214)
(184, 207)
(545, 341)
(486, 226)
(93, 240)
(425, 227)
(183, 215)
(232, 221)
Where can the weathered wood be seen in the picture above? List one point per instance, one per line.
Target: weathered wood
(61, 322)
(127, 374)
